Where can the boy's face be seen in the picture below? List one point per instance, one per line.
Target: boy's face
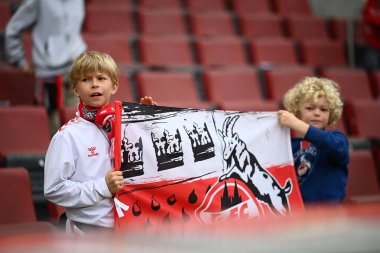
(95, 89)
(316, 113)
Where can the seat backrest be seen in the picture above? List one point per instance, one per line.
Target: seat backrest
(159, 4)
(161, 22)
(114, 44)
(258, 26)
(362, 177)
(167, 86)
(306, 27)
(165, 51)
(211, 23)
(108, 18)
(279, 51)
(375, 83)
(16, 88)
(201, 5)
(279, 80)
(249, 106)
(322, 53)
(231, 85)
(220, 51)
(24, 129)
(363, 118)
(289, 7)
(16, 196)
(251, 6)
(354, 83)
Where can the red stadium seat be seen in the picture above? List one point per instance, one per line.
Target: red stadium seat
(362, 184)
(114, 44)
(276, 51)
(124, 92)
(306, 27)
(165, 51)
(251, 6)
(16, 88)
(220, 51)
(66, 114)
(177, 89)
(289, 7)
(211, 23)
(159, 4)
(354, 83)
(257, 26)
(5, 15)
(202, 5)
(375, 83)
(101, 18)
(323, 53)
(363, 118)
(16, 196)
(338, 29)
(161, 22)
(279, 80)
(223, 85)
(25, 137)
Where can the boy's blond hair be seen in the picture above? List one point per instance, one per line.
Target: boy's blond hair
(92, 61)
(310, 89)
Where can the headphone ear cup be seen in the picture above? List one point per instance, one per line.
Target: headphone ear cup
(105, 118)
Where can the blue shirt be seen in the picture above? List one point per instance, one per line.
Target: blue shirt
(321, 160)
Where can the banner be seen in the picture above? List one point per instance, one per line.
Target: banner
(204, 166)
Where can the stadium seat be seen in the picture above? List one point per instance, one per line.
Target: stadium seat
(211, 23)
(337, 28)
(363, 118)
(16, 88)
(161, 22)
(375, 83)
(275, 51)
(25, 137)
(16, 196)
(257, 26)
(306, 27)
(251, 6)
(279, 80)
(165, 51)
(177, 89)
(220, 51)
(322, 53)
(159, 4)
(114, 44)
(290, 7)
(124, 92)
(354, 83)
(5, 15)
(223, 85)
(66, 114)
(110, 18)
(362, 184)
(202, 5)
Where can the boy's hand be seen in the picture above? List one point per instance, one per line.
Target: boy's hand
(147, 101)
(114, 181)
(288, 119)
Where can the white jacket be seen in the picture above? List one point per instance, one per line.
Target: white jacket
(76, 163)
(56, 34)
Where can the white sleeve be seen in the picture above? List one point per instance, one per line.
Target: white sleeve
(58, 186)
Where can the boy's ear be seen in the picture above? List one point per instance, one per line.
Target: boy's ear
(75, 90)
(115, 86)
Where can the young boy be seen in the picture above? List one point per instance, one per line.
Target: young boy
(320, 156)
(79, 173)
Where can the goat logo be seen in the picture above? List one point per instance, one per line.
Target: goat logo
(243, 165)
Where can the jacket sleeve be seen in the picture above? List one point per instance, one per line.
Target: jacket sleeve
(334, 143)
(25, 16)
(58, 186)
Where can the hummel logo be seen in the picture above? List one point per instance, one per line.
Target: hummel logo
(92, 151)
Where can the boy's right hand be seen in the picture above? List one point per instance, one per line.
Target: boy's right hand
(114, 181)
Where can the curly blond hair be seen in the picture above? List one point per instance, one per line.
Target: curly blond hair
(310, 89)
(91, 61)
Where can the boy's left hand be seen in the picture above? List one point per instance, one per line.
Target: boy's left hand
(147, 101)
